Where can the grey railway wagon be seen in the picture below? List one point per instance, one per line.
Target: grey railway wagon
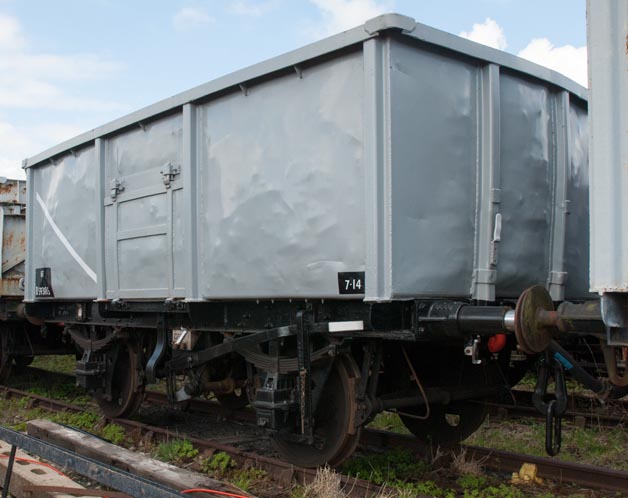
(391, 161)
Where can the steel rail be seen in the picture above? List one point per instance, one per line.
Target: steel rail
(498, 460)
(520, 407)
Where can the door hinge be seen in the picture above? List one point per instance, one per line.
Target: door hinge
(168, 173)
(115, 187)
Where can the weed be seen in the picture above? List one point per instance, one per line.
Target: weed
(471, 481)
(176, 451)
(392, 467)
(113, 433)
(430, 488)
(244, 478)
(20, 427)
(297, 491)
(388, 421)
(85, 421)
(219, 462)
(474, 486)
(24, 403)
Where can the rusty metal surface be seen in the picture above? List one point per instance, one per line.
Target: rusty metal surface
(13, 232)
(12, 191)
(11, 286)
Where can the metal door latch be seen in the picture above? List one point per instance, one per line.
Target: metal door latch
(168, 173)
(115, 187)
(472, 349)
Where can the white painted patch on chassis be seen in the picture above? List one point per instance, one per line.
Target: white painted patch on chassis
(346, 326)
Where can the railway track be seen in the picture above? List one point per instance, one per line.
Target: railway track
(581, 410)
(497, 460)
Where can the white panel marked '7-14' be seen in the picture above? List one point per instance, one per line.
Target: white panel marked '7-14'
(90, 273)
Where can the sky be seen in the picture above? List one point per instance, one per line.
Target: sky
(67, 66)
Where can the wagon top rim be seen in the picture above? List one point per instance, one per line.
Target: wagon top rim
(378, 26)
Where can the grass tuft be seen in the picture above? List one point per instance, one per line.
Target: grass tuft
(176, 451)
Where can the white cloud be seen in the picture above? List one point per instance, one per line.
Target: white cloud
(10, 34)
(32, 83)
(340, 15)
(36, 94)
(487, 33)
(26, 78)
(568, 60)
(252, 9)
(57, 67)
(19, 142)
(11, 169)
(191, 17)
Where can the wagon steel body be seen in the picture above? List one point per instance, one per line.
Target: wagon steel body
(436, 166)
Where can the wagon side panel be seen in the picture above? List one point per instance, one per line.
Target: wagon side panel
(281, 184)
(434, 155)
(527, 178)
(64, 232)
(577, 241)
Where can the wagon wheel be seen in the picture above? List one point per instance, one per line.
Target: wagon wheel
(333, 421)
(5, 358)
(127, 390)
(447, 425)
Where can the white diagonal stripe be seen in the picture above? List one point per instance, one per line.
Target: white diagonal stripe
(90, 273)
